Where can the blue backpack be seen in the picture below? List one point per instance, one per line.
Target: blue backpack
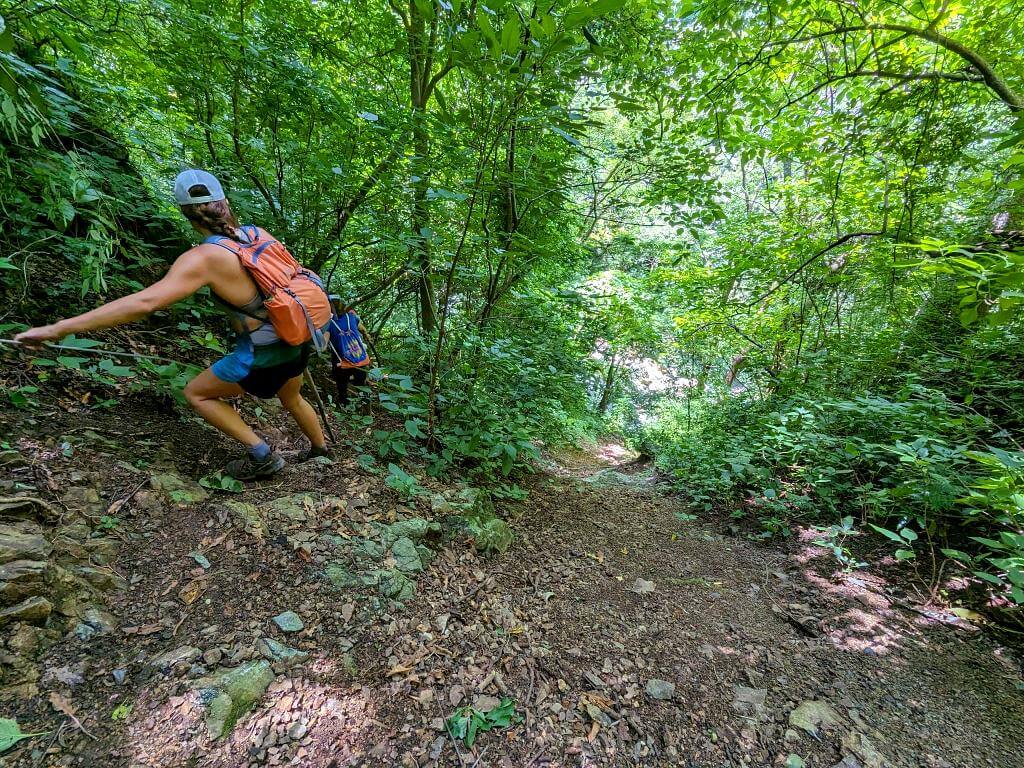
(347, 342)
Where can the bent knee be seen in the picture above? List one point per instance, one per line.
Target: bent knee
(195, 393)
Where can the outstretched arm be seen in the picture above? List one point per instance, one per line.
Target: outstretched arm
(186, 276)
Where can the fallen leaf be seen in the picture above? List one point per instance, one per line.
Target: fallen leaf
(61, 704)
(191, 591)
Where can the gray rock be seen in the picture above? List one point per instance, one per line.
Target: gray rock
(100, 578)
(279, 653)
(341, 577)
(23, 541)
(179, 490)
(167, 660)
(289, 621)
(407, 557)
(248, 517)
(27, 507)
(812, 715)
(120, 675)
(22, 578)
(395, 584)
(660, 689)
(491, 536)
(231, 693)
(749, 701)
(213, 656)
(293, 507)
(33, 610)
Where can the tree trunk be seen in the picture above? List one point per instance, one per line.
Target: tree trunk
(609, 386)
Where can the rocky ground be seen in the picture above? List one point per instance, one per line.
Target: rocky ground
(319, 619)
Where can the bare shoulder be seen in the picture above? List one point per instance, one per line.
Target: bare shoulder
(205, 256)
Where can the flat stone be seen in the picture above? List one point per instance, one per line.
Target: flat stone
(22, 578)
(23, 541)
(179, 490)
(280, 653)
(33, 610)
(341, 577)
(231, 693)
(289, 621)
(100, 578)
(167, 660)
(407, 557)
(660, 689)
(749, 701)
(248, 517)
(491, 536)
(294, 507)
(812, 715)
(27, 507)
(395, 584)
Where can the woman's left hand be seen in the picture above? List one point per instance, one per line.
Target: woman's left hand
(36, 337)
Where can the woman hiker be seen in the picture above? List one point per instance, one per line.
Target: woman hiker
(262, 364)
(351, 360)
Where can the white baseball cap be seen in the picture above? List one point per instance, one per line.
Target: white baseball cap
(195, 178)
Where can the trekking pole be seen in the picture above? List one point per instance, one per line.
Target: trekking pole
(319, 404)
(88, 351)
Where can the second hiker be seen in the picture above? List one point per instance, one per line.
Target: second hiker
(348, 349)
(278, 310)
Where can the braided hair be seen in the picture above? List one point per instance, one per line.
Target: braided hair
(215, 216)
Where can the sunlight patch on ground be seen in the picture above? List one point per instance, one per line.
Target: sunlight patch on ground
(302, 720)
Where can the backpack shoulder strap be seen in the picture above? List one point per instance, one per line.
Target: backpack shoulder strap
(223, 243)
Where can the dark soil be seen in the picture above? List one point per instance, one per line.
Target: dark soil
(746, 632)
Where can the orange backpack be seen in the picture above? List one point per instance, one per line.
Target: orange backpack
(297, 305)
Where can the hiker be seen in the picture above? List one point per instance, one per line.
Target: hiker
(277, 309)
(347, 333)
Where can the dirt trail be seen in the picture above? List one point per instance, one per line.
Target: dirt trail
(758, 655)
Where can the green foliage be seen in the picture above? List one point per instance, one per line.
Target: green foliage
(218, 481)
(466, 722)
(402, 482)
(11, 734)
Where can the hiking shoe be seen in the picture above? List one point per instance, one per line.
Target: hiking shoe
(313, 452)
(247, 468)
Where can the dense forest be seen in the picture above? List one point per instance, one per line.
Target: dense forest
(774, 248)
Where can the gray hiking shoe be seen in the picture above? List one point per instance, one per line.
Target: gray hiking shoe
(313, 452)
(247, 468)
